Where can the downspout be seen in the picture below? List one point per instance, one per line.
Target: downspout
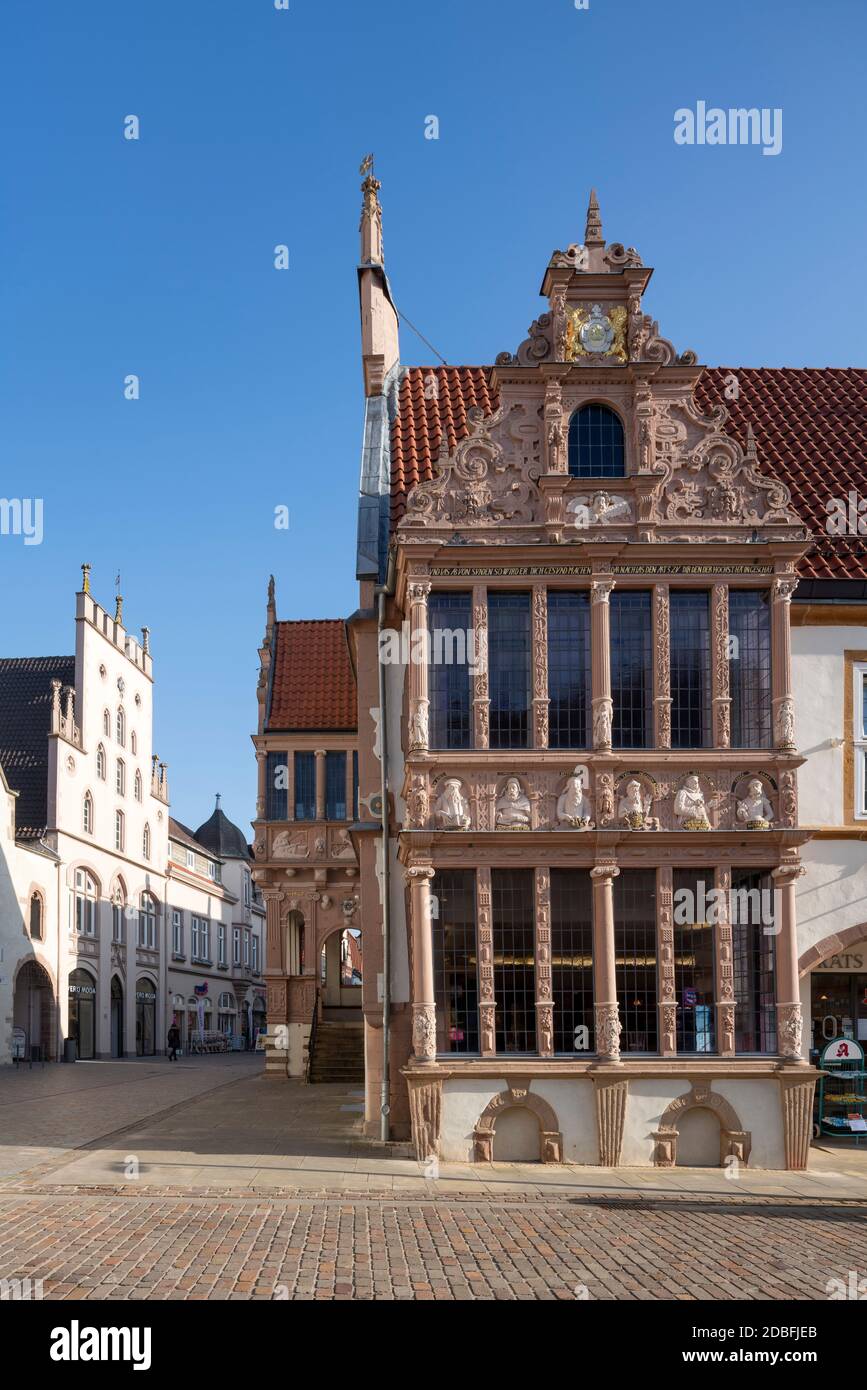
(383, 592)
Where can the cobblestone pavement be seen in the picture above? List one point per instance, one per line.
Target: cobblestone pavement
(573, 1249)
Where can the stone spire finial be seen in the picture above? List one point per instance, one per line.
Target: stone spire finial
(593, 231)
(85, 579)
(217, 807)
(751, 451)
(146, 640)
(371, 215)
(118, 609)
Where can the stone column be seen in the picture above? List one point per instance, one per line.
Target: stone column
(484, 931)
(544, 995)
(424, 1037)
(789, 1021)
(605, 1010)
(661, 666)
(274, 963)
(540, 666)
(419, 646)
(481, 689)
(724, 969)
(600, 644)
(666, 1002)
(781, 665)
(719, 648)
(320, 783)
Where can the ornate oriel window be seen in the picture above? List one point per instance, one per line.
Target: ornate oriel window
(449, 683)
(596, 443)
(694, 962)
(572, 960)
(509, 668)
(456, 986)
(755, 961)
(569, 700)
(635, 958)
(750, 667)
(305, 786)
(335, 786)
(514, 959)
(631, 668)
(690, 668)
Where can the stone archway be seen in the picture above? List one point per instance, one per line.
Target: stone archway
(518, 1095)
(830, 946)
(34, 1007)
(734, 1141)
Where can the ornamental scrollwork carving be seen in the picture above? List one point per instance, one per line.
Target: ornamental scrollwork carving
(483, 483)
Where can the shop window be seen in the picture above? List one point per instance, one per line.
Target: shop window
(754, 957)
(635, 958)
(514, 959)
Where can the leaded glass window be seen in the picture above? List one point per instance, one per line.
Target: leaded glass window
(635, 958)
(305, 786)
(572, 960)
(455, 960)
(449, 680)
(755, 961)
(631, 668)
(514, 959)
(509, 666)
(694, 965)
(690, 669)
(335, 786)
(276, 785)
(750, 667)
(596, 443)
(569, 699)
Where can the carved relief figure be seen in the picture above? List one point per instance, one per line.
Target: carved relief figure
(513, 807)
(690, 808)
(755, 810)
(341, 846)
(633, 807)
(418, 802)
(287, 845)
(602, 724)
(418, 726)
(450, 811)
(573, 804)
(602, 509)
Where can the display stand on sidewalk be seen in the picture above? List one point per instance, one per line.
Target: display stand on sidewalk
(843, 1091)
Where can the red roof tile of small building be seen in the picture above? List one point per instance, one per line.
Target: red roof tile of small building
(313, 684)
(810, 426)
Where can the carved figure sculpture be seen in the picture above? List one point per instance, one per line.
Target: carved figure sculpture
(513, 807)
(633, 808)
(573, 805)
(755, 809)
(690, 808)
(450, 811)
(288, 846)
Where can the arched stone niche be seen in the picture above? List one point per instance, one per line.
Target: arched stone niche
(518, 1094)
(734, 1141)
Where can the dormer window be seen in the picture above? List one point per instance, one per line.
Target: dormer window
(596, 443)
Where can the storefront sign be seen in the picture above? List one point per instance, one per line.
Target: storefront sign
(851, 962)
(82, 989)
(843, 1050)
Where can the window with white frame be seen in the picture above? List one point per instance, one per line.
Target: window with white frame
(236, 945)
(121, 726)
(85, 903)
(146, 842)
(194, 938)
(859, 733)
(200, 938)
(212, 869)
(119, 830)
(147, 922)
(205, 939)
(246, 948)
(254, 946)
(120, 781)
(117, 911)
(246, 888)
(87, 815)
(191, 859)
(177, 933)
(100, 763)
(138, 785)
(221, 944)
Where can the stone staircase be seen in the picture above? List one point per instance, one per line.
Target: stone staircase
(338, 1053)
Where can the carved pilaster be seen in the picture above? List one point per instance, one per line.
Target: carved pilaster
(320, 783)
(425, 1108)
(605, 1010)
(662, 666)
(796, 1094)
(725, 997)
(424, 1040)
(485, 936)
(481, 690)
(600, 640)
(789, 1022)
(611, 1096)
(261, 763)
(781, 664)
(555, 429)
(274, 962)
(544, 995)
(665, 979)
(540, 666)
(720, 666)
(419, 704)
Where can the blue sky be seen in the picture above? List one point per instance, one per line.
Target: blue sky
(155, 257)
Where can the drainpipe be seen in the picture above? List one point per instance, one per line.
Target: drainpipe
(384, 591)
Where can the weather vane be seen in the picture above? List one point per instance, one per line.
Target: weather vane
(366, 166)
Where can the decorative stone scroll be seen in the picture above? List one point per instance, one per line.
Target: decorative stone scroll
(484, 483)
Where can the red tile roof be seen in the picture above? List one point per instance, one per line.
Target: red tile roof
(810, 426)
(313, 685)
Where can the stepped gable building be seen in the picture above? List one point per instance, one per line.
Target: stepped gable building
(306, 865)
(606, 918)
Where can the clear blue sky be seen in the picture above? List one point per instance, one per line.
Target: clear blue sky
(156, 257)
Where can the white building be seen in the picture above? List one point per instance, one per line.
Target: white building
(92, 899)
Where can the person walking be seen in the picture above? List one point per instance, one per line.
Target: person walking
(174, 1042)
